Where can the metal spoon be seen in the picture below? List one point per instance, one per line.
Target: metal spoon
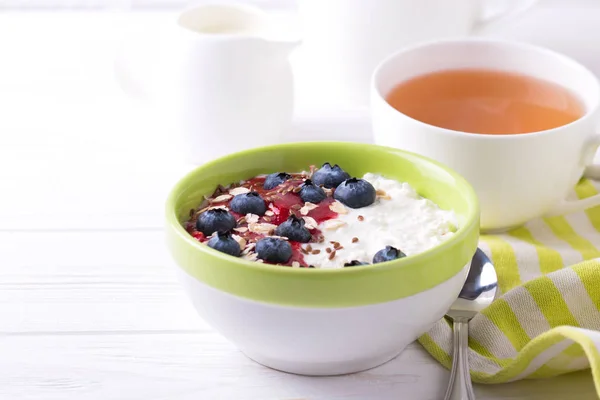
(477, 293)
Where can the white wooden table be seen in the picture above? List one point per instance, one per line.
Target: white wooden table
(87, 309)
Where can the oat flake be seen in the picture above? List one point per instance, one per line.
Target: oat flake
(223, 197)
(239, 190)
(307, 208)
(338, 207)
(310, 222)
(252, 218)
(262, 228)
(333, 224)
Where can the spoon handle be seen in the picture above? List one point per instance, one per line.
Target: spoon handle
(460, 387)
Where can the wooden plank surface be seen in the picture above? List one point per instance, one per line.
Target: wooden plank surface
(96, 315)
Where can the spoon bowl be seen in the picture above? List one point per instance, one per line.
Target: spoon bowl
(478, 292)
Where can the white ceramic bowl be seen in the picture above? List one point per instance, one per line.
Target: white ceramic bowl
(324, 322)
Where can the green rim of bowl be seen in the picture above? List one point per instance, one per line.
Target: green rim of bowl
(345, 287)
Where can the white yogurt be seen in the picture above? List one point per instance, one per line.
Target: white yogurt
(401, 219)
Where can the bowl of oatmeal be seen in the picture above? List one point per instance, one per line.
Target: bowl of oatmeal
(322, 258)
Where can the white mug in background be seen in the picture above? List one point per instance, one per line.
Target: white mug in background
(344, 40)
(221, 81)
(517, 177)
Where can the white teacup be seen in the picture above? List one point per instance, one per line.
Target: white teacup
(517, 177)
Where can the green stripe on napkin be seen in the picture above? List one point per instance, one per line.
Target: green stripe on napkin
(547, 322)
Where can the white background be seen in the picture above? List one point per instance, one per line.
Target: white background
(87, 310)
(124, 4)
(140, 4)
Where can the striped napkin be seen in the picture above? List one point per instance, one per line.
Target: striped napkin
(547, 320)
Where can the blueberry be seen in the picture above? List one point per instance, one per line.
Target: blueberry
(309, 192)
(354, 263)
(225, 243)
(329, 176)
(355, 193)
(276, 179)
(388, 254)
(273, 250)
(248, 203)
(294, 229)
(215, 219)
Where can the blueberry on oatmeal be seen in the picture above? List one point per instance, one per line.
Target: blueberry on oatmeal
(276, 179)
(248, 203)
(355, 193)
(311, 193)
(294, 229)
(213, 220)
(388, 254)
(329, 177)
(225, 243)
(273, 250)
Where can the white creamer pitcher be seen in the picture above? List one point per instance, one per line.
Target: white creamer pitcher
(222, 81)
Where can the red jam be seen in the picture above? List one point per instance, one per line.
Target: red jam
(282, 201)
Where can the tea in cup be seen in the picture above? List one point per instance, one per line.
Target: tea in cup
(518, 121)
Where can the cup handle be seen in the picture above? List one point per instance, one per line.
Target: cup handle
(592, 171)
(510, 10)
